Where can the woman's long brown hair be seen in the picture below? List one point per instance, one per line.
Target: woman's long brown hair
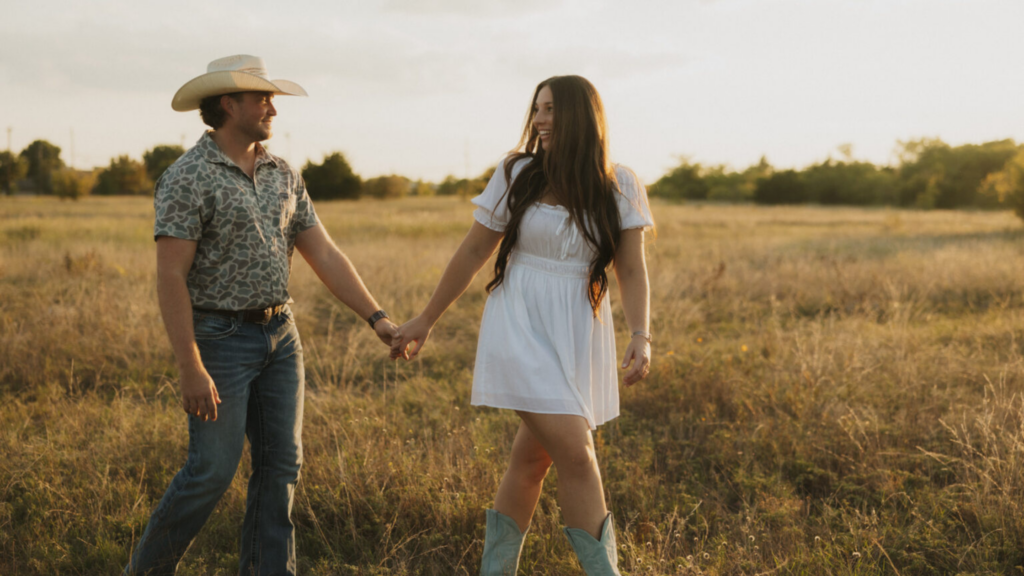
(577, 171)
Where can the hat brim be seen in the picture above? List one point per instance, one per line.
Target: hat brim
(192, 93)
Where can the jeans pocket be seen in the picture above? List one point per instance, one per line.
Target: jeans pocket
(213, 327)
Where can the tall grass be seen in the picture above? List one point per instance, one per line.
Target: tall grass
(835, 391)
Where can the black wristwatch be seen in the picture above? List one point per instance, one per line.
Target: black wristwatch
(378, 315)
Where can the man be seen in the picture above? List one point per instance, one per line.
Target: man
(228, 215)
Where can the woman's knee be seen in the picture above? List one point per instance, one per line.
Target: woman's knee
(532, 467)
(577, 462)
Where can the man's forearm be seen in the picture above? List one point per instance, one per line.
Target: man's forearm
(176, 309)
(338, 274)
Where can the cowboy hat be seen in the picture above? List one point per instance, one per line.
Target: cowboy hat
(240, 73)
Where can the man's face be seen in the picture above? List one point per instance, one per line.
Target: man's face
(253, 115)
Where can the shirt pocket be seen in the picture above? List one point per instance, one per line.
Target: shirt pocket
(286, 206)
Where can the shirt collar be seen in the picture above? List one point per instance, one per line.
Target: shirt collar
(212, 153)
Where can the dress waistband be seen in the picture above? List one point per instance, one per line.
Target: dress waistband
(549, 266)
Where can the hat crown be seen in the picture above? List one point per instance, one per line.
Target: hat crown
(240, 63)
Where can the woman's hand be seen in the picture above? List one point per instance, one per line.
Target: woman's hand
(416, 330)
(638, 353)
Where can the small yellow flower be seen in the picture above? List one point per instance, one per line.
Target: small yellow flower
(670, 353)
(743, 348)
(699, 340)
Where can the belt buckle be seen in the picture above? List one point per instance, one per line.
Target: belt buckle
(265, 316)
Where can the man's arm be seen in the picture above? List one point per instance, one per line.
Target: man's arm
(173, 260)
(336, 271)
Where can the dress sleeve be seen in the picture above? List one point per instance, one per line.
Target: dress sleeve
(634, 209)
(492, 203)
(178, 207)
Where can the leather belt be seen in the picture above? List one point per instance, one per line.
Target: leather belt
(255, 316)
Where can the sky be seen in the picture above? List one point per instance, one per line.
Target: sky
(427, 88)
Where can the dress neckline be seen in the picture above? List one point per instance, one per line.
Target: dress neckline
(557, 207)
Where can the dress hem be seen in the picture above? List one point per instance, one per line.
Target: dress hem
(593, 425)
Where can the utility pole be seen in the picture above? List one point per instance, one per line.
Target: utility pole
(182, 140)
(9, 128)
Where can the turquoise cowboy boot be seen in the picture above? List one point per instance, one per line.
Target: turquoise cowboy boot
(502, 545)
(598, 558)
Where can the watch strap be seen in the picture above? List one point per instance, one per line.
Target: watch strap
(376, 316)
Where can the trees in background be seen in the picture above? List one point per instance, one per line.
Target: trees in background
(693, 181)
(929, 174)
(71, 184)
(160, 158)
(465, 187)
(933, 174)
(42, 159)
(1006, 187)
(852, 182)
(12, 169)
(387, 187)
(684, 182)
(784, 187)
(123, 176)
(332, 179)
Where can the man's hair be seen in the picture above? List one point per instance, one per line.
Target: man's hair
(212, 113)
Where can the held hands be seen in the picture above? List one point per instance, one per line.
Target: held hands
(199, 395)
(387, 331)
(639, 354)
(415, 331)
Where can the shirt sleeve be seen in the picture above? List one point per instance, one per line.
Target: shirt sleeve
(178, 208)
(634, 209)
(305, 215)
(492, 203)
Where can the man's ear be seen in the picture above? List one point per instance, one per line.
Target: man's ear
(229, 104)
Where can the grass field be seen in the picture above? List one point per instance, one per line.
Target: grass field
(834, 391)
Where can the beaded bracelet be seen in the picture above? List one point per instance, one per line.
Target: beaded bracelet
(646, 335)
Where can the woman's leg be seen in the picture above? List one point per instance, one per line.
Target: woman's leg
(568, 442)
(520, 487)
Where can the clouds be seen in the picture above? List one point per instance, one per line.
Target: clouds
(473, 8)
(407, 85)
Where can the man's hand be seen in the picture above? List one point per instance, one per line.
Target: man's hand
(416, 330)
(199, 395)
(387, 331)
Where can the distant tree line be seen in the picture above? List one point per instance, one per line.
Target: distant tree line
(39, 168)
(930, 174)
(334, 179)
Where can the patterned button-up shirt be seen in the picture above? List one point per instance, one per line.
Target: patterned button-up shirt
(245, 227)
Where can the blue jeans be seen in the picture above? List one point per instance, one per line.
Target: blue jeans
(259, 375)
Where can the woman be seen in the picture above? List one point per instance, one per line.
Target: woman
(561, 213)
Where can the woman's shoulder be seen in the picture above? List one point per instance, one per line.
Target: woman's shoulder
(626, 178)
(520, 161)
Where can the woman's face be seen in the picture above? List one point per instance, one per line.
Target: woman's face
(544, 116)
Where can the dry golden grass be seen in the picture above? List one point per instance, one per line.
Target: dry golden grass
(835, 391)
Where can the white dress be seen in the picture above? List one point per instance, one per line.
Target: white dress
(541, 349)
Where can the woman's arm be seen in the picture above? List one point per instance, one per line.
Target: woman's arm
(631, 271)
(476, 248)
